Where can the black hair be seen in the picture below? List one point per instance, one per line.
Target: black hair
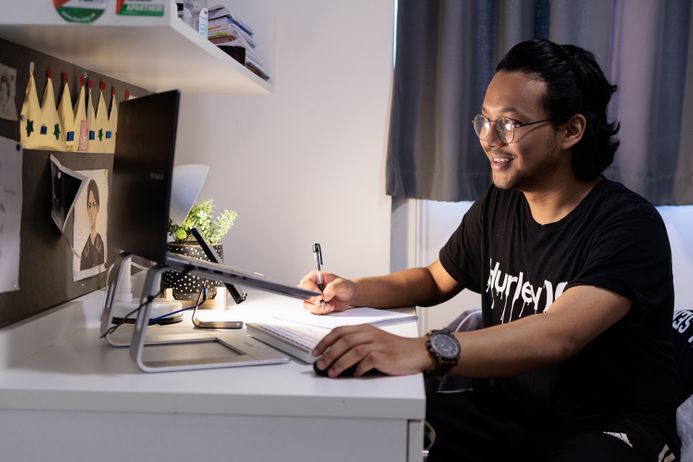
(93, 188)
(575, 85)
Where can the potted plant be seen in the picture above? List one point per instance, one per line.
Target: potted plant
(200, 216)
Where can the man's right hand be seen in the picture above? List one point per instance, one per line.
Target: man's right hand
(338, 293)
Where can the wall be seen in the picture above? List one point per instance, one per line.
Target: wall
(306, 163)
(419, 229)
(679, 222)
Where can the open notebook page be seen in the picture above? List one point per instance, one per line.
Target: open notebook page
(349, 317)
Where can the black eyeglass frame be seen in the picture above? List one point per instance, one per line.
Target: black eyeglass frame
(500, 132)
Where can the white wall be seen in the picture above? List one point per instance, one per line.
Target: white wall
(306, 163)
(419, 229)
(679, 223)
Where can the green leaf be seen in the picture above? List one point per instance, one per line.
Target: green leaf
(181, 234)
(201, 216)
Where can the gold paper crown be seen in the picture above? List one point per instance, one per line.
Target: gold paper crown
(67, 128)
(67, 116)
(81, 125)
(40, 125)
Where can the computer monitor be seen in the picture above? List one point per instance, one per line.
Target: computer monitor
(142, 174)
(141, 193)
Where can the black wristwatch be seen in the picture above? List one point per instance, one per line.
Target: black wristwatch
(445, 349)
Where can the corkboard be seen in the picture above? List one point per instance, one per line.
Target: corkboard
(45, 267)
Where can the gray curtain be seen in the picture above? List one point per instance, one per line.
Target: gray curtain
(447, 51)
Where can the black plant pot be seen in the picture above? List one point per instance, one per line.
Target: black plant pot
(188, 286)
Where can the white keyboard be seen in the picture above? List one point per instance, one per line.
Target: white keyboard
(295, 339)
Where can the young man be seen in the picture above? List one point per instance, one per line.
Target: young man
(575, 276)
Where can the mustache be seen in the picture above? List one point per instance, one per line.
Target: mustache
(498, 153)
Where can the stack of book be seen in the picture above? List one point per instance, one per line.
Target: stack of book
(234, 37)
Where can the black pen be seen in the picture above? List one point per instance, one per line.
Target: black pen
(317, 254)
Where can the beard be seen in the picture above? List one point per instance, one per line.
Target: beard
(535, 176)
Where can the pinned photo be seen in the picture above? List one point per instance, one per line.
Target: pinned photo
(90, 239)
(8, 91)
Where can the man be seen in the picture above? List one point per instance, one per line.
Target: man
(575, 361)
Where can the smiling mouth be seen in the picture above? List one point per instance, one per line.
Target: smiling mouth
(500, 162)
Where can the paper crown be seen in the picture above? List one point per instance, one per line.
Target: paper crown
(66, 115)
(67, 127)
(81, 125)
(39, 124)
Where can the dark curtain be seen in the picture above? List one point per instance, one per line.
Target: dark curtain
(447, 51)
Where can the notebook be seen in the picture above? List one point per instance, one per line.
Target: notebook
(297, 332)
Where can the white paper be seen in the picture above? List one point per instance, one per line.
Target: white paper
(66, 186)
(349, 317)
(90, 225)
(10, 213)
(8, 91)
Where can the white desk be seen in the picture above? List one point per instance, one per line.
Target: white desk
(66, 395)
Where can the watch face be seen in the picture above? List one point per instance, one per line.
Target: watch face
(445, 346)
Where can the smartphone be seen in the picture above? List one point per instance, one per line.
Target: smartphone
(219, 324)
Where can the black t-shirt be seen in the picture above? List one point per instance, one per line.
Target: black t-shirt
(682, 326)
(613, 239)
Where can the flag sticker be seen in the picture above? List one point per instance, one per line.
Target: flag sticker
(81, 11)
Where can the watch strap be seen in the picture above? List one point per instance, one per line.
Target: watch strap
(443, 365)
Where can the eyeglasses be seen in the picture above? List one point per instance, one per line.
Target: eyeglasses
(505, 127)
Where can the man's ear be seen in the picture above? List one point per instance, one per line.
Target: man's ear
(573, 130)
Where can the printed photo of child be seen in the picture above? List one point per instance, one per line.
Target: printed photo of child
(8, 79)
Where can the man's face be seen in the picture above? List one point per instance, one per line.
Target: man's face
(92, 209)
(532, 157)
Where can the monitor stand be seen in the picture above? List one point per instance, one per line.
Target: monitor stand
(123, 335)
(228, 349)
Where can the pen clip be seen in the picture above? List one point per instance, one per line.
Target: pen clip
(318, 253)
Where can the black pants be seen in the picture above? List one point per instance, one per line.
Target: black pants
(479, 426)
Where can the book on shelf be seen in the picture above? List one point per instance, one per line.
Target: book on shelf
(240, 44)
(229, 31)
(230, 39)
(243, 56)
(257, 69)
(236, 52)
(220, 11)
(225, 21)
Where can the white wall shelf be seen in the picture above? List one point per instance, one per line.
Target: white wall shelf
(156, 53)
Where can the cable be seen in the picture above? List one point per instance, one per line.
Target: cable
(191, 307)
(150, 299)
(194, 319)
(122, 320)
